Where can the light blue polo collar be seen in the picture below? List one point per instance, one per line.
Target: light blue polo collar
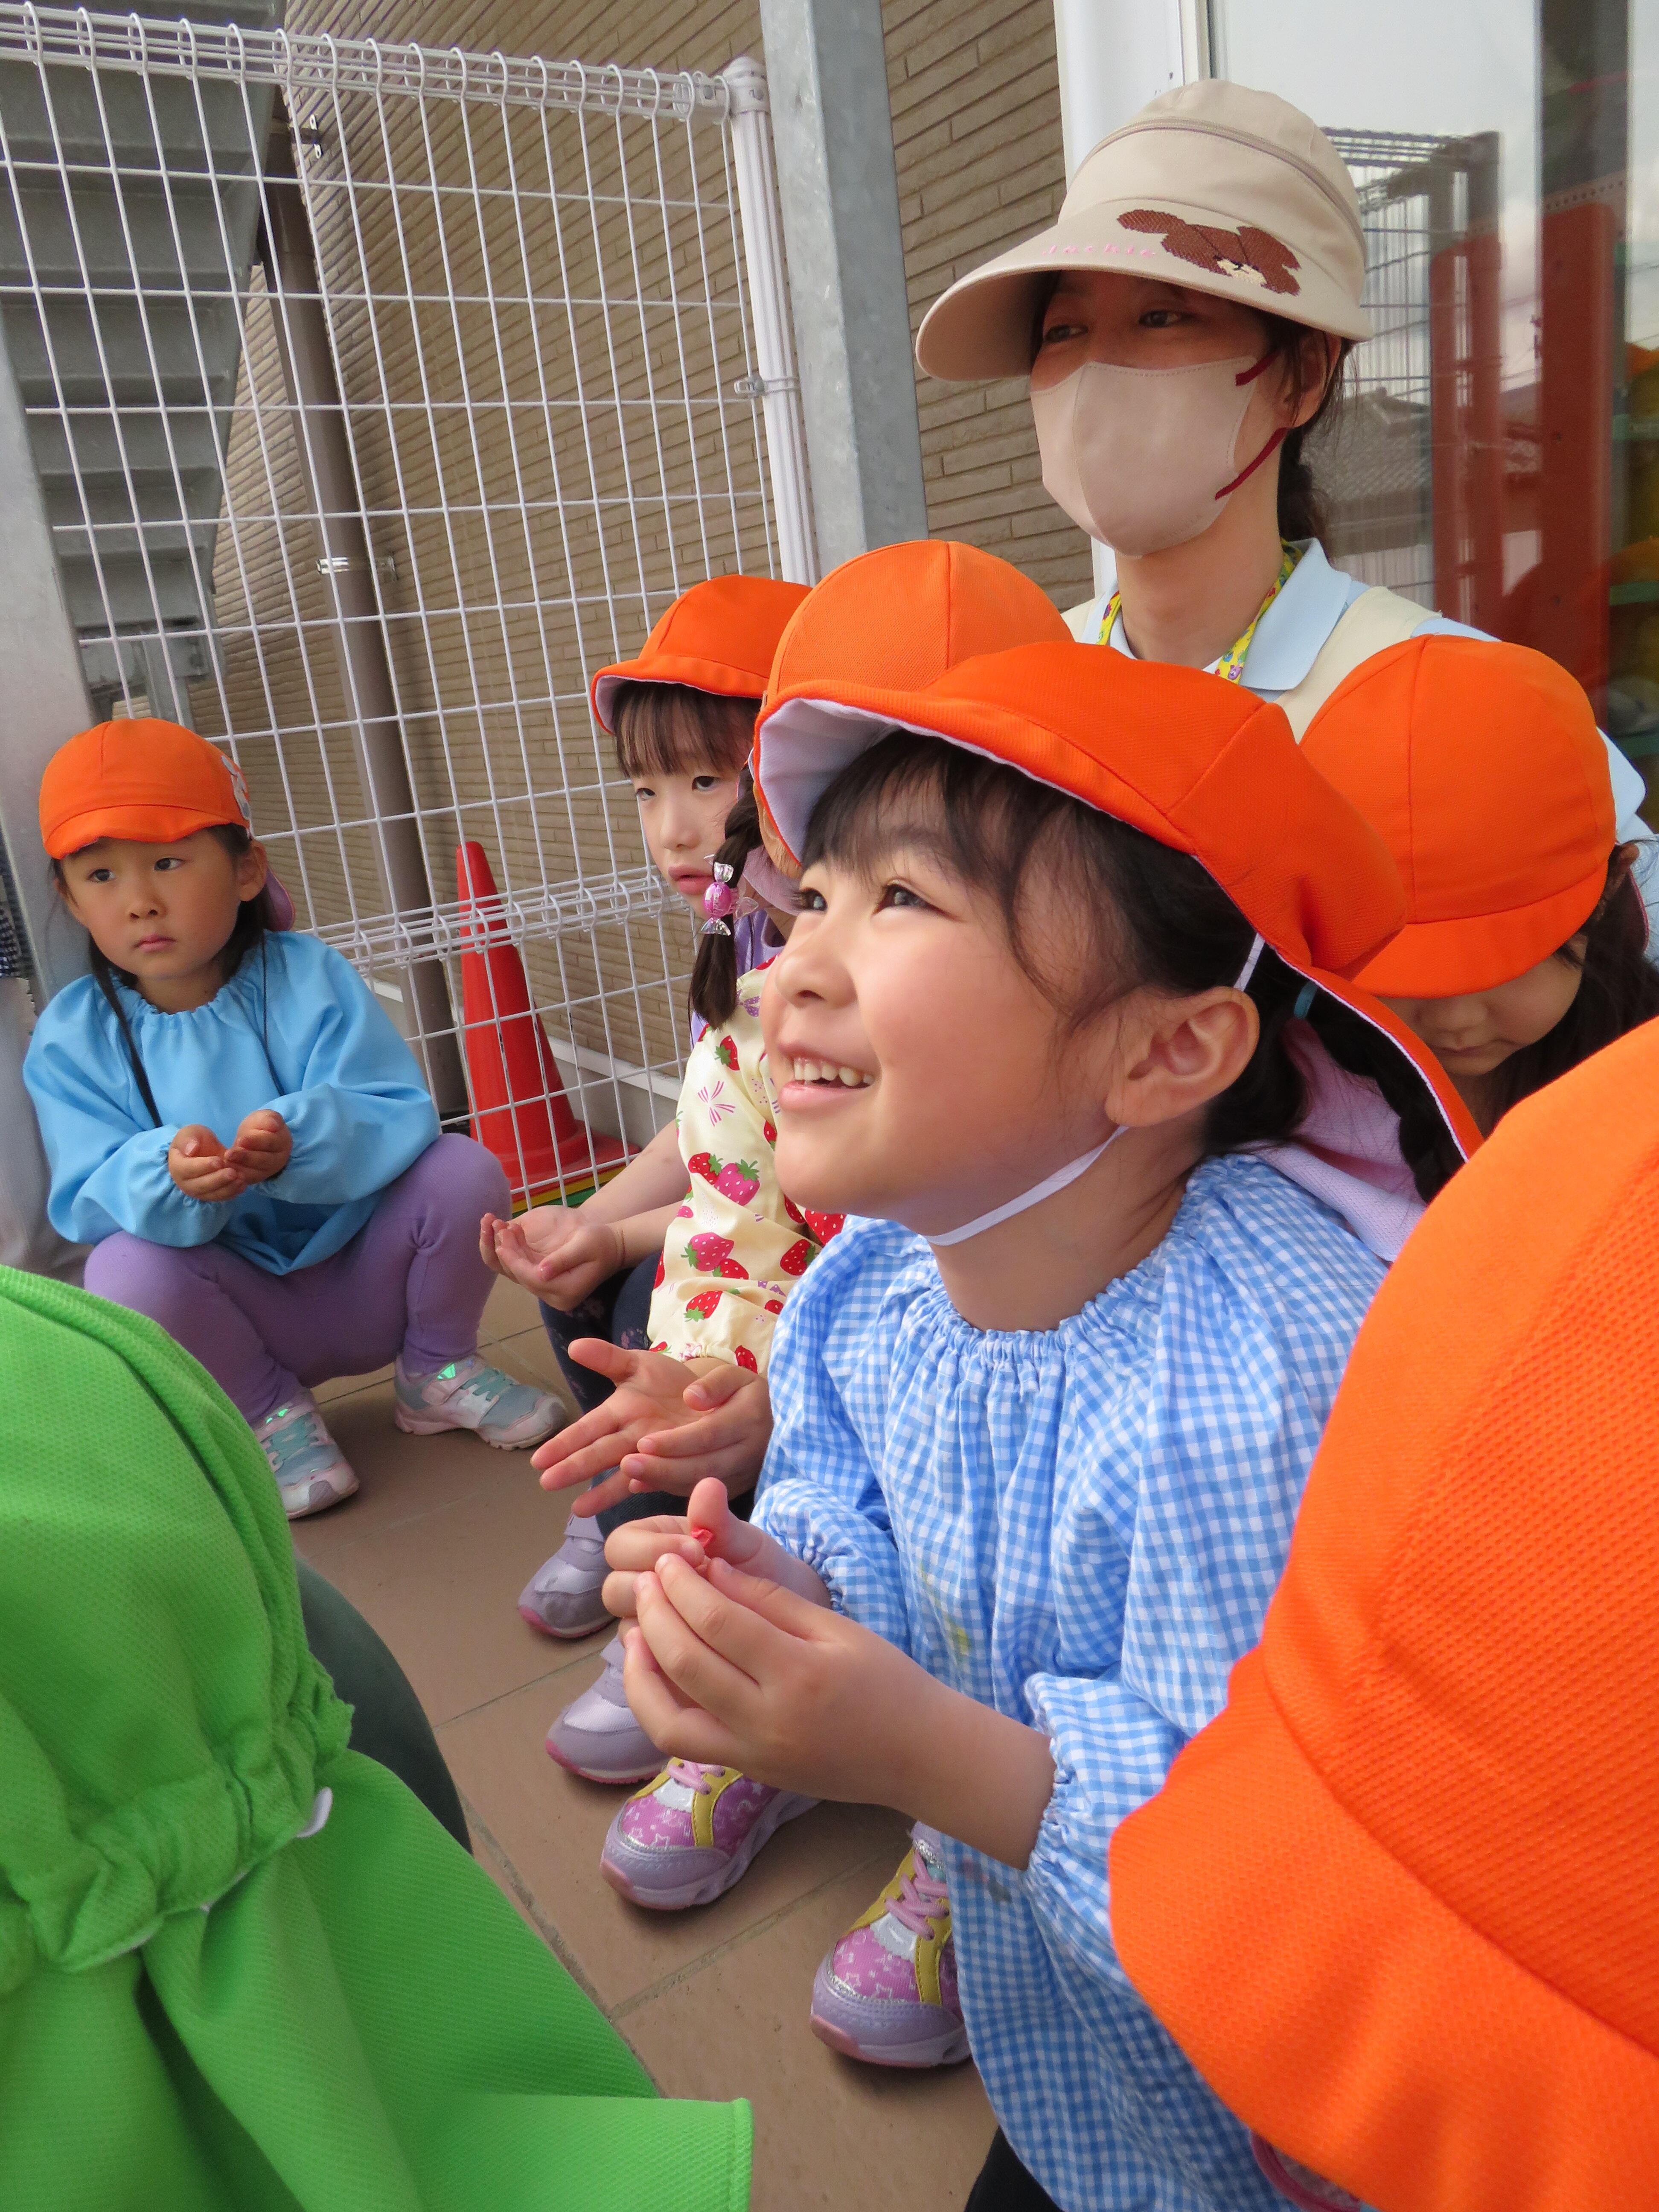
(1289, 635)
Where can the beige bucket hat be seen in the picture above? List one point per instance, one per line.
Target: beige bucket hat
(1213, 186)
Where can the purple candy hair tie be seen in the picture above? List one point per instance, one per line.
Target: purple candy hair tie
(719, 900)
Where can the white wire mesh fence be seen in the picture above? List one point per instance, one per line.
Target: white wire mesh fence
(378, 396)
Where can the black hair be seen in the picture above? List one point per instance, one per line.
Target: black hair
(1143, 915)
(673, 729)
(254, 917)
(1618, 990)
(715, 974)
(1301, 510)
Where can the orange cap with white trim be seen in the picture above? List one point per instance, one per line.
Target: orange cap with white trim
(720, 636)
(1482, 767)
(899, 616)
(145, 780)
(1201, 765)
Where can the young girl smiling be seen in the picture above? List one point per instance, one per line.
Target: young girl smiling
(1042, 1423)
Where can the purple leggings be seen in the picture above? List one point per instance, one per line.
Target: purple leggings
(410, 1281)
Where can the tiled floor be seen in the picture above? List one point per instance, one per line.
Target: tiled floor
(433, 1549)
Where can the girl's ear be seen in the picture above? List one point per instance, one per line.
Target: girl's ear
(1176, 1054)
(251, 869)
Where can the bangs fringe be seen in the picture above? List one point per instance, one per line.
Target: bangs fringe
(1122, 912)
(670, 729)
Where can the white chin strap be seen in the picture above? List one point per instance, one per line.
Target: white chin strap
(1068, 1174)
(1034, 1196)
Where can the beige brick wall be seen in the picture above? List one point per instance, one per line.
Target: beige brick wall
(977, 143)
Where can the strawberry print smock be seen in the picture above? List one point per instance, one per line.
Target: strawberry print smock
(738, 1247)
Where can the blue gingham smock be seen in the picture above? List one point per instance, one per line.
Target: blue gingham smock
(1081, 1526)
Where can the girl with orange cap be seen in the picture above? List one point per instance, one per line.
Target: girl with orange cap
(1525, 943)
(1042, 1419)
(681, 714)
(732, 1262)
(236, 1128)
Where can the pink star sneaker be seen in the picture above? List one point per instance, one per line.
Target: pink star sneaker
(887, 1992)
(687, 1836)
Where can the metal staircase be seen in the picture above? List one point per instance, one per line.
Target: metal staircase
(127, 232)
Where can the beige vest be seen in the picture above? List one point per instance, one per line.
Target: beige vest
(1378, 618)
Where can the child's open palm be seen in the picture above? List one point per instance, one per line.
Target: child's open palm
(667, 1426)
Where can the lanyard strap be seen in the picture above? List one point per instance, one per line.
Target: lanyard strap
(1232, 663)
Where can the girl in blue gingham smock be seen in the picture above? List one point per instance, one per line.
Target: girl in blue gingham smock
(1064, 1018)
(1081, 1526)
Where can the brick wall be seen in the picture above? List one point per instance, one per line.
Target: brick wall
(977, 142)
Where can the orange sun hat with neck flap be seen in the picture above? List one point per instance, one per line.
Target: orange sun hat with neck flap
(899, 616)
(1198, 765)
(720, 636)
(1482, 767)
(1399, 1903)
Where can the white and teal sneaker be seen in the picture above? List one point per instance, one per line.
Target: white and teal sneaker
(467, 1395)
(312, 1471)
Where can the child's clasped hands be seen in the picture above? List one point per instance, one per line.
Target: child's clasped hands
(737, 1660)
(204, 1168)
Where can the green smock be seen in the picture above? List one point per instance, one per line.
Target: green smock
(203, 2009)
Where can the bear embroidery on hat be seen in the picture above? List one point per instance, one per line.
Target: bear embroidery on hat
(1245, 252)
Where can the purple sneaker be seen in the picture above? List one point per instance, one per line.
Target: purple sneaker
(597, 1735)
(887, 1992)
(687, 1836)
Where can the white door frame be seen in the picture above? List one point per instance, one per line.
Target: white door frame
(1114, 55)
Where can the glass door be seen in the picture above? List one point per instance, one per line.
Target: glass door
(1498, 456)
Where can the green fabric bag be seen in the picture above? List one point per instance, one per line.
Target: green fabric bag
(202, 2007)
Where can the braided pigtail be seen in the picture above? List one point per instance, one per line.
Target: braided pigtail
(715, 976)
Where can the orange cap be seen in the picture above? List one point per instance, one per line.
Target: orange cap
(1201, 765)
(899, 616)
(1482, 766)
(145, 780)
(719, 636)
(1400, 1904)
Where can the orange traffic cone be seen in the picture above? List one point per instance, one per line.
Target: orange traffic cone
(518, 1106)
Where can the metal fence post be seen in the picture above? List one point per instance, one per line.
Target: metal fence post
(46, 700)
(300, 323)
(826, 65)
(768, 305)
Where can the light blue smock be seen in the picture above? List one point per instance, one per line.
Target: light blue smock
(1082, 1528)
(296, 1029)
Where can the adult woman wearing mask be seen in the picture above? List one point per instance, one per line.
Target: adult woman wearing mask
(1185, 325)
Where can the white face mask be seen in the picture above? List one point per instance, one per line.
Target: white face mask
(1142, 459)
